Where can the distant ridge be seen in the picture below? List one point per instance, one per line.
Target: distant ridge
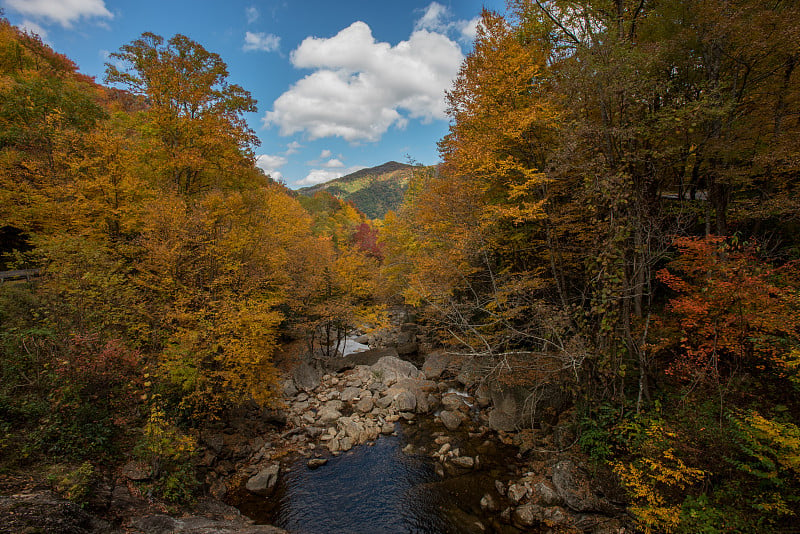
(373, 191)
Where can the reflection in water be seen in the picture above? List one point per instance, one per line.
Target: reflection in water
(376, 489)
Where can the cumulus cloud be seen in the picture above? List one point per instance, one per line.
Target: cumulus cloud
(64, 12)
(293, 148)
(469, 28)
(318, 176)
(325, 153)
(270, 164)
(252, 14)
(265, 42)
(360, 87)
(434, 18)
(333, 164)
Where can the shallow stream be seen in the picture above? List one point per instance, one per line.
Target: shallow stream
(389, 487)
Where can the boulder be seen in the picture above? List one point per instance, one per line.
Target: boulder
(545, 494)
(573, 486)
(405, 401)
(263, 483)
(305, 377)
(365, 405)
(464, 462)
(453, 402)
(517, 492)
(351, 393)
(501, 421)
(407, 349)
(451, 420)
(328, 415)
(367, 357)
(390, 369)
(527, 515)
(435, 364)
(316, 462)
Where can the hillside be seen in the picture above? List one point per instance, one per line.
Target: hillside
(374, 191)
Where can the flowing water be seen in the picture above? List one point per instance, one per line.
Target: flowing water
(382, 489)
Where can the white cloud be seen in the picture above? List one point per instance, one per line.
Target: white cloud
(333, 164)
(434, 18)
(318, 176)
(469, 28)
(325, 153)
(293, 148)
(361, 87)
(252, 14)
(64, 12)
(266, 42)
(270, 164)
(31, 27)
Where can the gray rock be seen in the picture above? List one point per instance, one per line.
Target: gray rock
(407, 349)
(574, 488)
(288, 388)
(305, 377)
(435, 364)
(334, 405)
(453, 402)
(464, 462)
(264, 482)
(137, 471)
(368, 357)
(365, 405)
(405, 401)
(527, 515)
(500, 487)
(390, 369)
(351, 393)
(328, 415)
(489, 503)
(545, 494)
(517, 492)
(384, 402)
(451, 420)
(316, 462)
(502, 421)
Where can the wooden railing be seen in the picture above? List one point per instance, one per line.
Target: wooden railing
(22, 274)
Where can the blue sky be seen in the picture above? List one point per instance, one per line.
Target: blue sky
(341, 85)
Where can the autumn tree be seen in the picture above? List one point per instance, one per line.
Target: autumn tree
(200, 138)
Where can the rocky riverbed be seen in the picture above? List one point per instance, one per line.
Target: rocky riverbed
(352, 402)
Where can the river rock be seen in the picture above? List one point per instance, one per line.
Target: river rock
(527, 515)
(384, 402)
(316, 462)
(464, 462)
(264, 482)
(451, 420)
(545, 494)
(435, 364)
(573, 486)
(334, 405)
(328, 415)
(387, 428)
(517, 492)
(405, 401)
(306, 378)
(289, 389)
(501, 421)
(390, 369)
(351, 361)
(351, 393)
(365, 405)
(454, 402)
(489, 503)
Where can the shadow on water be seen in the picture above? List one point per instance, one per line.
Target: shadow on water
(377, 489)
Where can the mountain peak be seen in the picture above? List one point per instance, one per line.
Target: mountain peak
(374, 191)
